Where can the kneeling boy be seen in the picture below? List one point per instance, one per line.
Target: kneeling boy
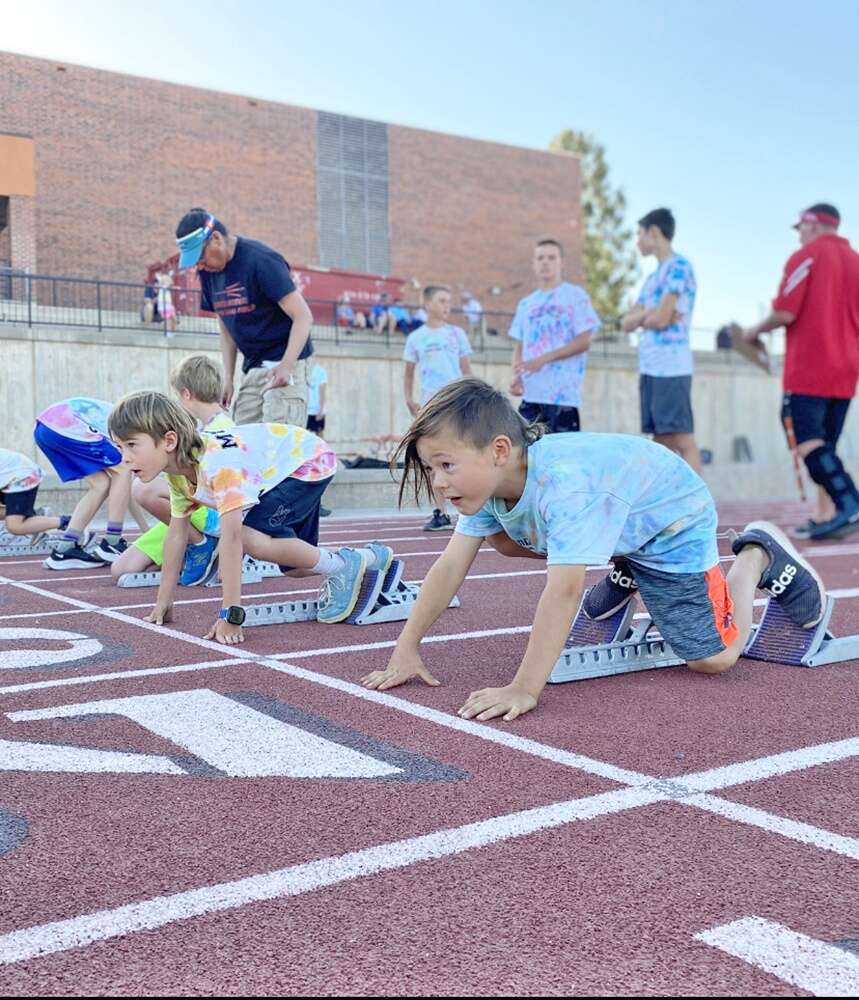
(576, 500)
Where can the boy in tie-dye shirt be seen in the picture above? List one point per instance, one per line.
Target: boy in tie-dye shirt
(553, 327)
(265, 481)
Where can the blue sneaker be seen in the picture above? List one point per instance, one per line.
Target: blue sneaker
(340, 592)
(198, 561)
(384, 556)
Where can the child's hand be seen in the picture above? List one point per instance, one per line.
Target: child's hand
(510, 701)
(223, 632)
(160, 614)
(401, 667)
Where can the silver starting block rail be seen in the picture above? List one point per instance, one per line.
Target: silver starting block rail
(21, 545)
(253, 571)
(385, 597)
(613, 646)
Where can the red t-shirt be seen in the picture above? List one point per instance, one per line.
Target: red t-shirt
(820, 286)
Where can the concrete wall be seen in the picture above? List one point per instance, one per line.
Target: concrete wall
(39, 366)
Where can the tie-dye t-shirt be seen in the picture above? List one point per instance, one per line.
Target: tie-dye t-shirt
(589, 497)
(667, 351)
(78, 419)
(241, 464)
(18, 473)
(436, 351)
(548, 321)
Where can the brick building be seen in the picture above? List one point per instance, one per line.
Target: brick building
(96, 168)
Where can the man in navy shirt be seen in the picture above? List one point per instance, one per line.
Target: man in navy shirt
(260, 313)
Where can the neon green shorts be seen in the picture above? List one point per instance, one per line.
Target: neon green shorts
(151, 543)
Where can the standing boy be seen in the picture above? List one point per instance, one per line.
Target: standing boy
(553, 328)
(664, 314)
(440, 353)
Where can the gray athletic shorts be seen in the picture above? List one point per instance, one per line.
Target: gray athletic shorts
(693, 611)
(666, 404)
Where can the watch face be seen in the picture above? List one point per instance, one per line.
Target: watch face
(235, 615)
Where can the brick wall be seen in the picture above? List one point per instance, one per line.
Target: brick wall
(119, 159)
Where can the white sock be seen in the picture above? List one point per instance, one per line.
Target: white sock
(329, 563)
(370, 558)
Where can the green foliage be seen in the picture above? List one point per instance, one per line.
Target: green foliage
(611, 264)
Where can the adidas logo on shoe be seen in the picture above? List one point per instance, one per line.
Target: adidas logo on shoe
(622, 579)
(783, 580)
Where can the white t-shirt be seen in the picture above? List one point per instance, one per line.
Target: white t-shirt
(436, 352)
(18, 473)
(547, 321)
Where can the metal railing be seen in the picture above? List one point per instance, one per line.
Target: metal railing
(102, 304)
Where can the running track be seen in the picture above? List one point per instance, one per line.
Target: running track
(183, 818)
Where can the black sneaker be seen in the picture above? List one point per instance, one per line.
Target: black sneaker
(109, 553)
(438, 522)
(788, 578)
(325, 512)
(611, 593)
(844, 523)
(803, 531)
(73, 558)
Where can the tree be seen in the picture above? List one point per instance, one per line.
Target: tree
(611, 265)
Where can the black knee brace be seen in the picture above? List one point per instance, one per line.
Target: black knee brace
(825, 468)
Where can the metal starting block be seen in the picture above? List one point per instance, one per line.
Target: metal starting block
(20, 545)
(253, 571)
(384, 597)
(614, 646)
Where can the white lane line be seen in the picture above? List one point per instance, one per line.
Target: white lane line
(793, 829)
(771, 766)
(819, 968)
(102, 925)
(116, 676)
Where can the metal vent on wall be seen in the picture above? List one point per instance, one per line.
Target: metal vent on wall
(352, 185)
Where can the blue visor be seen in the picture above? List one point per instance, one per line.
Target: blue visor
(191, 246)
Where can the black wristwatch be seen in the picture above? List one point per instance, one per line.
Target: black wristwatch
(233, 615)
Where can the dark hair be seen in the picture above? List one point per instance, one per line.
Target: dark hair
(822, 208)
(550, 243)
(472, 411)
(431, 290)
(662, 219)
(196, 218)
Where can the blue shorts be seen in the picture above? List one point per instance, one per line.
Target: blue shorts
(289, 510)
(73, 459)
(666, 404)
(815, 417)
(22, 503)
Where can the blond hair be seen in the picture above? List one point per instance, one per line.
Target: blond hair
(201, 377)
(473, 412)
(155, 414)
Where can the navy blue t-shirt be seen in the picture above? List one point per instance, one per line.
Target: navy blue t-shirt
(245, 296)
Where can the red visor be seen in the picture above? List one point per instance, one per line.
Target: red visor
(822, 217)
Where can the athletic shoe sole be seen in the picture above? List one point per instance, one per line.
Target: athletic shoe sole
(356, 593)
(770, 529)
(440, 527)
(72, 564)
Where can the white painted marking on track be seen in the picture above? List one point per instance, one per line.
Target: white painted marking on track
(821, 969)
(79, 647)
(63, 935)
(116, 675)
(231, 736)
(49, 757)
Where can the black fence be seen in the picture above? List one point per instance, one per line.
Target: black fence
(101, 304)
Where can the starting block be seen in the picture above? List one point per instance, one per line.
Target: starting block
(614, 646)
(253, 571)
(385, 597)
(21, 545)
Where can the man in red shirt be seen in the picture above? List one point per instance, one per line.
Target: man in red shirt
(818, 303)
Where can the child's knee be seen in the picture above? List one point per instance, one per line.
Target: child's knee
(98, 482)
(718, 664)
(503, 543)
(146, 493)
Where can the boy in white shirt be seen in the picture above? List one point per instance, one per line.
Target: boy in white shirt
(440, 353)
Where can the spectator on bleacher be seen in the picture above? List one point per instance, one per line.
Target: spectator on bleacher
(260, 312)
(472, 310)
(379, 313)
(164, 282)
(345, 312)
(401, 318)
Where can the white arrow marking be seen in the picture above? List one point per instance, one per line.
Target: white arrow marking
(80, 760)
(236, 739)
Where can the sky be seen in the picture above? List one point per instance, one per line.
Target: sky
(736, 115)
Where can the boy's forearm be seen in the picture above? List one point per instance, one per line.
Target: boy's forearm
(229, 351)
(230, 556)
(434, 597)
(555, 612)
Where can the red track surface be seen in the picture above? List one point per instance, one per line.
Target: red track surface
(157, 840)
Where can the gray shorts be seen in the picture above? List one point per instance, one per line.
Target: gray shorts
(666, 404)
(693, 611)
